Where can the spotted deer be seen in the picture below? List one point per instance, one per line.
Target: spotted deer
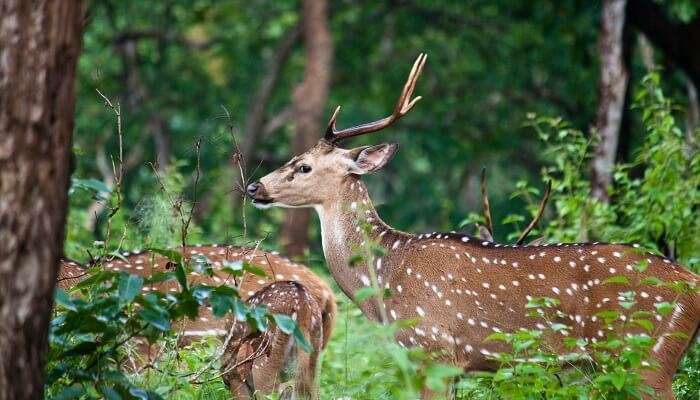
(277, 269)
(460, 288)
(255, 362)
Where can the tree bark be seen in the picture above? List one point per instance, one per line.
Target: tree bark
(611, 95)
(308, 100)
(39, 46)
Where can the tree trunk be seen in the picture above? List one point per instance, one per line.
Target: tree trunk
(308, 101)
(39, 46)
(611, 95)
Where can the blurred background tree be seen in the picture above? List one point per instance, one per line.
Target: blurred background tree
(261, 70)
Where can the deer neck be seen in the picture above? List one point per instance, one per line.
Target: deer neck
(348, 223)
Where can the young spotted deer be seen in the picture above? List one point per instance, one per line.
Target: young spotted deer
(463, 289)
(256, 362)
(277, 269)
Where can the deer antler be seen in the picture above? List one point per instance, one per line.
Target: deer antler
(403, 106)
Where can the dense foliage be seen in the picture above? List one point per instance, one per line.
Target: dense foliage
(184, 74)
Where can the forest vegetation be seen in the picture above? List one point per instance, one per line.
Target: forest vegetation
(180, 104)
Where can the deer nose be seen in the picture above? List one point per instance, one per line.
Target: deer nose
(253, 188)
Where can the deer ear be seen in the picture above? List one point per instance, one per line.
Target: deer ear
(364, 160)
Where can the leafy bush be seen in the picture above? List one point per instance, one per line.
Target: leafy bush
(98, 328)
(654, 199)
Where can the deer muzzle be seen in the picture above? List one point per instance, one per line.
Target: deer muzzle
(256, 191)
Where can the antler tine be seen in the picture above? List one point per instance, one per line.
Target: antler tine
(330, 129)
(403, 105)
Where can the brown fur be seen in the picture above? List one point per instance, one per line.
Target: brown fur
(70, 273)
(463, 289)
(253, 361)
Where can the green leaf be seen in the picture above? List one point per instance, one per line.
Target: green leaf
(176, 257)
(71, 392)
(240, 310)
(254, 269)
(496, 337)
(618, 379)
(652, 281)
(172, 255)
(644, 323)
(99, 188)
(156, 316)
(181, 276)
(138, 393)
(257, 317)
(523, 345)
(641, 266)
(221, 303)
(287, 325)
(618, 279)
(608, 315)
(63, 300)
(129, 287)
(664, 308)
(109, 393)
(365, 293)
(233, 268)
(438, 375)
(81, 349)
(678, 335)
(355, 259)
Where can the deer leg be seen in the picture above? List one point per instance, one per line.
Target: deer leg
(327, 316)
(427, 394)
(307, 367)
(669, 347)
(236, 367)
(660, 384)
(239, 388)
(268, 367)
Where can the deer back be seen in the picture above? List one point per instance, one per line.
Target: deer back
(275, 267)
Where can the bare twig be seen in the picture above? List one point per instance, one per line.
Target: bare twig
(485, 202)
(238, 159)
(186, 222)
(117, 170)
(537, 217)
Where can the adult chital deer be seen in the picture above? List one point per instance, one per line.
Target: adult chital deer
(460, 288)
(276, 268)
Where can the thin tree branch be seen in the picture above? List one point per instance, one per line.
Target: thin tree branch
(536, 220)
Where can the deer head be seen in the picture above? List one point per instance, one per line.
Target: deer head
(312, 178)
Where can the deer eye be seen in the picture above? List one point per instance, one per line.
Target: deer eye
(304, 169)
